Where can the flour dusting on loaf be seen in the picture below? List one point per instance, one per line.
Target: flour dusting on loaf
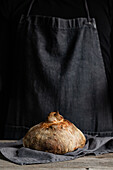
(56, 135)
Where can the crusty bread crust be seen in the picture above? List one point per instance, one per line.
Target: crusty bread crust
(56, 135)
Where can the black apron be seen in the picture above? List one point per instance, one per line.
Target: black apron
(58, 66)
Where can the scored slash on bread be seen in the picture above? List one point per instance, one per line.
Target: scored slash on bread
(56, 135)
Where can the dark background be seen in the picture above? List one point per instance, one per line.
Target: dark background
(10, 13)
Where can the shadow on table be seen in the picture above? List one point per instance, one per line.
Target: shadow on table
(2, 157)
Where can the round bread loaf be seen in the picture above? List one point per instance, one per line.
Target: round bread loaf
(55, 135)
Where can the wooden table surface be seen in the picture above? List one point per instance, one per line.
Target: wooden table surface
(101, 162)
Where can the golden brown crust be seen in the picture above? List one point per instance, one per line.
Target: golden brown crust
(56, 135)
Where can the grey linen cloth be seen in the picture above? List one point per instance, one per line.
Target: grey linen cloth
(16, 153)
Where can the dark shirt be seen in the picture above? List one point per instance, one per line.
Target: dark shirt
(10, 13)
